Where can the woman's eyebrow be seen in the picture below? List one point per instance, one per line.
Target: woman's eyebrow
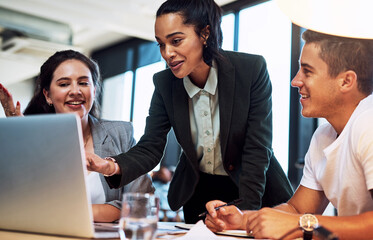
(170, 35)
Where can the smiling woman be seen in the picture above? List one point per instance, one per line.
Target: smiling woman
(67, 84)
(182, 48)
(220, 106)
(71, 89)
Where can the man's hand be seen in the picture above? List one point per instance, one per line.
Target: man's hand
(225, 218)
(273, 223)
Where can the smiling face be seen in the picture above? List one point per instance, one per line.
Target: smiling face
(71, 89)
(180, 46)
(319, 92)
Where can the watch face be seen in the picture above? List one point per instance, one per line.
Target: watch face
(308, 222)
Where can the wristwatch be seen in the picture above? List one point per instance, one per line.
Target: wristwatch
(308, 222)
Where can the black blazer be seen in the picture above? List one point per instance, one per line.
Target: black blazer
(245, 107)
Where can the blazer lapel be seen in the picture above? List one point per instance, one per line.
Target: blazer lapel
(181, 116)
(100, 138)
(226, 87)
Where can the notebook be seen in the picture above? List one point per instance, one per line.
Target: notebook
(232, 233)
(42, 177)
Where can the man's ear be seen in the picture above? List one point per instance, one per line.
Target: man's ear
(348, 81)
(47, 98)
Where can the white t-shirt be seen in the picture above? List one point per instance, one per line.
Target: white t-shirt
(343, 167)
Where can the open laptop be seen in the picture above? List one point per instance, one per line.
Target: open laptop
(42, 177)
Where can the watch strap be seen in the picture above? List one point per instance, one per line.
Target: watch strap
(307, 235)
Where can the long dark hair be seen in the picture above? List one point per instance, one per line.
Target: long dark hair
(38, 104)
(200, 14)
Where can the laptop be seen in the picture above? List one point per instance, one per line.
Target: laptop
(43, 177)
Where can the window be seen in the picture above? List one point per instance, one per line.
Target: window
(144, 88)
(227, 27)
(265, 30)
(117, 94)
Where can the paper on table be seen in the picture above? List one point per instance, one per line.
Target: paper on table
(168, 228)
(199, 231)
(232, 233)
(235, 233)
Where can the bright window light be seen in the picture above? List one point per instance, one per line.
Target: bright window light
(117, 93)
(265, 30)
(227, 27)
(144, 88)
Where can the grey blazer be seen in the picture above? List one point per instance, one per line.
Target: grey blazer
(111, 138)
(245, 106)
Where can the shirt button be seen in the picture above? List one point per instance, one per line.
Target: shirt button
(207, 132)
(209, 162)
(208, 149)
(205, 113)
(203, 92)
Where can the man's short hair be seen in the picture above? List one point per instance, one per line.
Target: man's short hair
(343, 54)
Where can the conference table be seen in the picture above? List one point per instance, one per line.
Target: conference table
(162, 234)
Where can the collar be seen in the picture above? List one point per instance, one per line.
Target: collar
(210, 86)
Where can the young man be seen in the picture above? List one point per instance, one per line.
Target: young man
(335, 82)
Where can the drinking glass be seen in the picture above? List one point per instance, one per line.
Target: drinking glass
(139, 216)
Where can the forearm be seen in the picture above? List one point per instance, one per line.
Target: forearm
(105, 213)
(139, 160)
(351, 227)
(286, 207)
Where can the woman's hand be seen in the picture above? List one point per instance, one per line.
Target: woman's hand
(6, 100)
(97, 164)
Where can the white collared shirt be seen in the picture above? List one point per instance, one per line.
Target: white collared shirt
(205, 122)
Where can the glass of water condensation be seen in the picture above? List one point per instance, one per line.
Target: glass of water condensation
(139, 216)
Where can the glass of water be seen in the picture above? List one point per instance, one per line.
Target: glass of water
(139, 216)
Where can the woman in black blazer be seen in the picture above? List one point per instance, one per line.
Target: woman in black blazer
(219, 105)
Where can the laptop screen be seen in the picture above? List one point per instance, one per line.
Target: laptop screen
(42, 176)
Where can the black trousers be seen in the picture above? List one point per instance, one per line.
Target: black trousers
(210, 187)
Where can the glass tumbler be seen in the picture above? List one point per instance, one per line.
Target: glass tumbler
(139, 216)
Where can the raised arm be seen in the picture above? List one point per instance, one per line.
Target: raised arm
(7, 103)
